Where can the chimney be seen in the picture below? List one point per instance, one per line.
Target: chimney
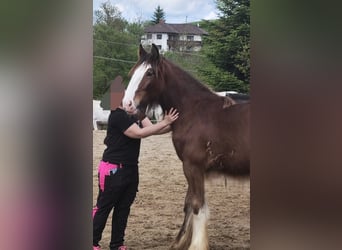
(161, 21)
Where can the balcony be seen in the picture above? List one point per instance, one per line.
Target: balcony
(183, 45)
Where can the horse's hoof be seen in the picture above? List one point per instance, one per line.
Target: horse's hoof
(198, 248)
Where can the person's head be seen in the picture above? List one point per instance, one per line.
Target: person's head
(117, 91)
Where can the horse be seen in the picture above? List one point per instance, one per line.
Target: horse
(210, 137)
(99, 114)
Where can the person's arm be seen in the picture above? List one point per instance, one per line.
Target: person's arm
(134, 131)
(147, 122)
(164, 130)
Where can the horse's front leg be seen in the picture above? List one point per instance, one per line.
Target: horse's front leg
(193, 234)
(183, 239)
(200, 209)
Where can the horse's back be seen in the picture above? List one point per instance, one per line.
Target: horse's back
(231, 119)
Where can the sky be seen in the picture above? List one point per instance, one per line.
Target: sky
(176, 11)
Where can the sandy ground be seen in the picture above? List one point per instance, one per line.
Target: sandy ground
(157, 213)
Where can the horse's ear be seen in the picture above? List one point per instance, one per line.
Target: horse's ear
(142, 52)
(155, 52)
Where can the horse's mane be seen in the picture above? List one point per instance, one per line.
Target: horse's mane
(191, 81)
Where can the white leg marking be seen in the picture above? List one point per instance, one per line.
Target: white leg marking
(199, 234)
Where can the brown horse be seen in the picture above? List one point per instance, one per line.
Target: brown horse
(211, 135)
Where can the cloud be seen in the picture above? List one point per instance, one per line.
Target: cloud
(212, 15)
(176, 11)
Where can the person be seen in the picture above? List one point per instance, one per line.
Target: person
(118, 170)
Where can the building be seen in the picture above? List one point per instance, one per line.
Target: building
(174, 37)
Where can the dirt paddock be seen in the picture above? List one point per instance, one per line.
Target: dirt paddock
(157, 212)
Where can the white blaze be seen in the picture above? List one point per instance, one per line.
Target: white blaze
(134, 83)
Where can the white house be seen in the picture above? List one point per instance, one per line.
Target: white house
(174, 37)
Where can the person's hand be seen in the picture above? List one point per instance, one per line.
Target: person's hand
(171, 116)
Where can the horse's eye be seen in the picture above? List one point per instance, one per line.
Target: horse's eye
(149, 72)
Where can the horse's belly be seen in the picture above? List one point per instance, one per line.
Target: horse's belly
(230, 162)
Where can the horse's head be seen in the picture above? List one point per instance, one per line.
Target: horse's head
(145, 85)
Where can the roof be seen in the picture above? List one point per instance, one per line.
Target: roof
(181, 28)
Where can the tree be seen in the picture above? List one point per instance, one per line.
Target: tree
(158, 15)
(115, 47)
(228, 45)
(110, 15)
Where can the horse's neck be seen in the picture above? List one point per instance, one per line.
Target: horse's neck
(182, 91)
(177, 96)
(184, 95)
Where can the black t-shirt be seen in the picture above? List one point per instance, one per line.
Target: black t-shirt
(120, 148)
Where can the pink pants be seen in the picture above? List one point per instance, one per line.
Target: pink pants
(106, 168)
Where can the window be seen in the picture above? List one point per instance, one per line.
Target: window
(149, 36)
(159, 36)
(159, 47)
(189, 38)
(188, 48)
(172, 37)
